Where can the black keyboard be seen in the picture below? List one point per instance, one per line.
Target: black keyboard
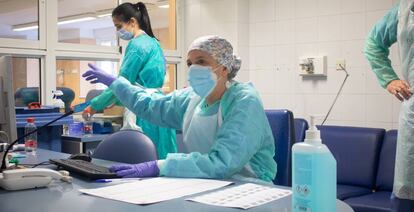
(84, 168)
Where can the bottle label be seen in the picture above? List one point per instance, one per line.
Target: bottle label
(87, 129)
(302, 182)
(30, 144)
(314, 182)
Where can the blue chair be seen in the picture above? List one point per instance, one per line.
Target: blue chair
(92, 94)
(356, 151)
(380, 199)
(24, 96)
(68, 97)
(301, 125)
(281, 123)
(126, 146)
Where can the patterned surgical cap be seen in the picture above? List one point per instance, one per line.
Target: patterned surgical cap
(221, 50)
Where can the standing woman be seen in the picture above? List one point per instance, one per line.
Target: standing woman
(398, 26)
(144, 64)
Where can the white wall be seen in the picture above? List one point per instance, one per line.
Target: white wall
(281, 31)
(32, 73)
(227, 18)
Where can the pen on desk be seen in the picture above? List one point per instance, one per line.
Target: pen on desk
(116, 180)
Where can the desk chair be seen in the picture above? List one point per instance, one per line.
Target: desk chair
(356, 150)
(282, 125)
(301, 125)
(126, 146)
(92, 94)
(24, 96)
(380, 199)
(68, 97)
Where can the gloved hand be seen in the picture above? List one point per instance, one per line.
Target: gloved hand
(97, 75)
(400, 89)
(88, 113)
(147, 169)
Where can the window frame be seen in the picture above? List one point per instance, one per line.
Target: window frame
(48, 49)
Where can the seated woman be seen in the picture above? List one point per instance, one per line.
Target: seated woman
(225, 129)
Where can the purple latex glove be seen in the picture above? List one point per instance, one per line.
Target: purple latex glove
(147, 169)
(97, 75)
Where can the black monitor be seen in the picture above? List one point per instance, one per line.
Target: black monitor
(7, 106)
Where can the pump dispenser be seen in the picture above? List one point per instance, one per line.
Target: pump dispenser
(313, 174)
(313, 134)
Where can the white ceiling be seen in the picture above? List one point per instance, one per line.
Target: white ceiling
(16, 12)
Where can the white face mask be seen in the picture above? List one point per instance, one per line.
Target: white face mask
(202, 80)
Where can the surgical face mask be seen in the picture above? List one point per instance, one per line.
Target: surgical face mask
(202, 80)
(124, 34)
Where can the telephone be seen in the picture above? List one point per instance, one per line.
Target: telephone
(18, 179)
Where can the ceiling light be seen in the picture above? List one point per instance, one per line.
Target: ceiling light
(62, 21)
(75, 19)
(164, 6)
(104, 13)
(25, 28)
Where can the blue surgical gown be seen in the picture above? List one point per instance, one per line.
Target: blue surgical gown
(244, 136)
(377, 47)
(143, 63)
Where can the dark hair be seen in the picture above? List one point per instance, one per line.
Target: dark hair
(126, 11)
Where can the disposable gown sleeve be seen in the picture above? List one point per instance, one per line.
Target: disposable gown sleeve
(133, 62)
(162, 110)
(238, 139)
(382, 36)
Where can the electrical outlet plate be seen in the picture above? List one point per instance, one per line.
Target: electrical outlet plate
(319, 64)
(340, 63)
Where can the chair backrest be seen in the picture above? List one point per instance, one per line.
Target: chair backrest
(92, 94)
(26, 95)
(301, 125)
(356, 150)
(386, 165)
(281, 123)
(68, 97)
(126, 146)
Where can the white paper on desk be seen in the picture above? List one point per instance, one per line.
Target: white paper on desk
(155, 190)
(244, 196)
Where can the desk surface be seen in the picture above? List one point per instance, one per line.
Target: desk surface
(61, 197)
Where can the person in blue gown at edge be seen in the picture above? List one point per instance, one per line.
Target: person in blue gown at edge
(226, 133)
(143, 63)
(398, 26)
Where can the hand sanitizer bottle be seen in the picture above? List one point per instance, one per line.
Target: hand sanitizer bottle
(313, 174)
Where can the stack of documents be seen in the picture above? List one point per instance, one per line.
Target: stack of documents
(155, 190)
(244, 196)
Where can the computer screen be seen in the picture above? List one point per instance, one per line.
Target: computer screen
(7, 106)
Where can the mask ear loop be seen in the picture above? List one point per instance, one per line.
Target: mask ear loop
(227, 83)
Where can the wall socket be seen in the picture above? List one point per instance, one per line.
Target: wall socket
(340, 63)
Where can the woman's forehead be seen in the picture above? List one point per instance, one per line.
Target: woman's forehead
(196, 54)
